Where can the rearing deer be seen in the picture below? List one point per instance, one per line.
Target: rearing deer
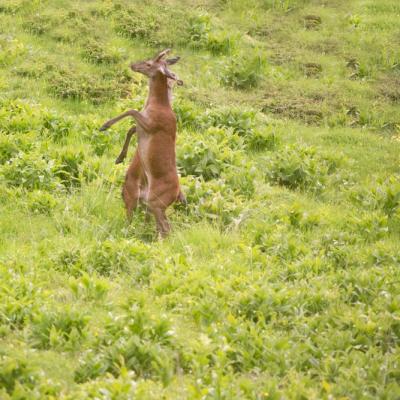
(132, 130)
(152, 176)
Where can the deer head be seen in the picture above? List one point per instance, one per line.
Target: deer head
(157, 65)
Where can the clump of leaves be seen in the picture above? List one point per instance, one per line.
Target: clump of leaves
(19, 116)
(384, 196)
(16, 377)
(240, 121)
(260, 140)
(101, 141)
(19, 296)
(69, 169)
(137, 24)
(41, 202)
(10, 49)
(112, 256)
(68, 83)
(98, 53)
(207, 159)
(243, 73)
(56, 127)
(122, 387)
(203, 36)
(57, 328)
(89, 287)
(215, 200)
(11, 145)
(301, 168)
(39, 24)
(30, 171)
(144, 344)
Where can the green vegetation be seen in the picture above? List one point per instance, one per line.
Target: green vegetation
(281, 278)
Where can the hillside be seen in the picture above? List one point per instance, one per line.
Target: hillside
(281, 278)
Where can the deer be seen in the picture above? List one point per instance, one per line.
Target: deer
(132, 130)
(152, 178)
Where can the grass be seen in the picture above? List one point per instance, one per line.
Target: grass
(280, 279)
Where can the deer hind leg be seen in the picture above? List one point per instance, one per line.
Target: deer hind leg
(162, 224)
(130, 194)
(157, 207)
(124, 150)
(131, 188)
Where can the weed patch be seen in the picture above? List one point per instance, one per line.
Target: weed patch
(300, 168)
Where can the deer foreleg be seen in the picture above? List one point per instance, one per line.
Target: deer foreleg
(140, 119)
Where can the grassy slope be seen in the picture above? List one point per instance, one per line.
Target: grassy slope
(281, 280)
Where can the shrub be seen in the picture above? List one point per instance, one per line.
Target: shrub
(300, 167)
(11, 145)
(101, 141)
(214, 200)
(19, 297)
(30, 171)
(137, 24)
(201, 35)
(111, 256)
(38, 24)
(98, 53)
(186, 113)
(243, 73)
(241, 121)
(260, 140)
(15, 373)
(10, 49)
(41, 202)
(206, 158)
(69, 261)
(57, 328)
(137, 340)
(68, 83)
(57, 128)
(72, 169)
(69, 167)
(17, 116)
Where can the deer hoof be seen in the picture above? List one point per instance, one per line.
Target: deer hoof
(104, 127)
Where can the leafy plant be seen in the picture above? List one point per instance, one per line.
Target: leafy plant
(30, 171)
(41, 202)
(300, 168)
(57, 329)
(98, 53)
(203, 36)
(15, 375)
(243, 73)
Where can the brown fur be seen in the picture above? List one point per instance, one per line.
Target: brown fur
(152, 176)
(132, 130)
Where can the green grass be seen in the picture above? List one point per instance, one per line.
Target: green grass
(281, 278)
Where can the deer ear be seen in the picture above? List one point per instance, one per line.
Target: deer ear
(162, 54)
(171, 61)
(169, 74)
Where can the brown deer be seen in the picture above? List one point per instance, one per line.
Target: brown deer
(132, 130)
(152, 176)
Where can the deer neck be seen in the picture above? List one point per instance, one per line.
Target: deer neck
(159, 91)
